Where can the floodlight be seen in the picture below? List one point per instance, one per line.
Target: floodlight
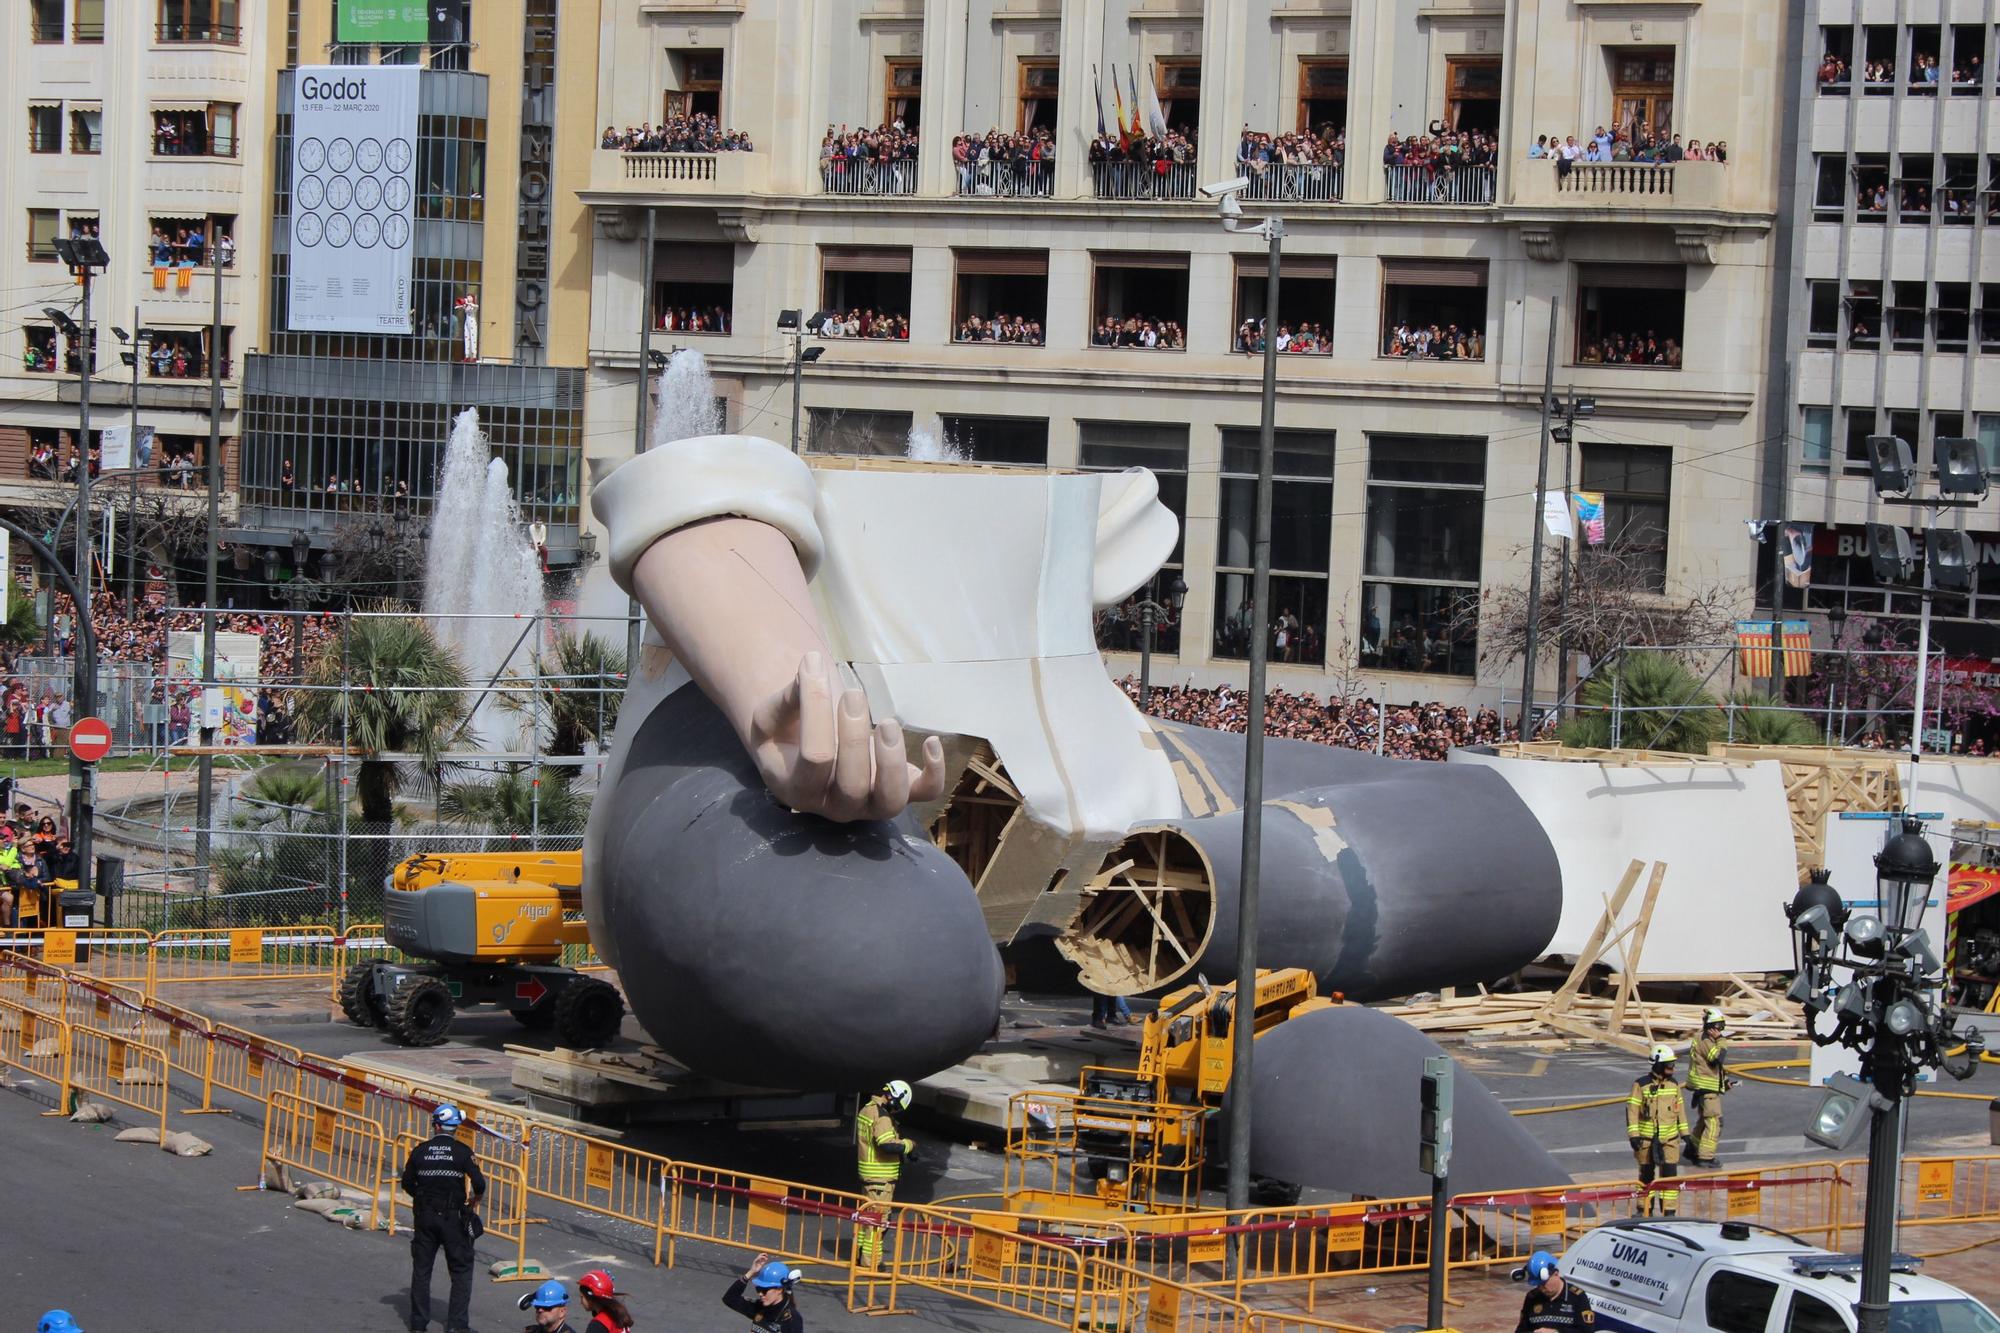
(1890, 553)
(1892, 465)
(1959, 471)
(1951, 556)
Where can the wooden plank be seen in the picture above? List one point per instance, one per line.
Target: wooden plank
(1595, 945)
(1630, 983)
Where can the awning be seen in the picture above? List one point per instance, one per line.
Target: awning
(685, 261)
(1638, 277)
(1435, 272)
(1290, 266)
(860, 259)
(1138, 259)
(1004, 263)
(1971, 884)
(200, 107)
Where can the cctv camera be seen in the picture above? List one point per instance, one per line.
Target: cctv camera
(1229, 208)
(1222, 189)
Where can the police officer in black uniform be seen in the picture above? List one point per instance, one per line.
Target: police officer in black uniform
(435, 1178)
(1552, 1304)
(763, 1295)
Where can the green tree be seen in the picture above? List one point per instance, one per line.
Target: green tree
(403, 694)
(23, 624)
(1661, 702)
(1755, 720)
(583, 679)
(283, 798)
(509, 803)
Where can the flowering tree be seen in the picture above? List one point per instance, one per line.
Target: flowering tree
(1875, 687)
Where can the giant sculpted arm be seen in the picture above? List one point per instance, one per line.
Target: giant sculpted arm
(715, 538)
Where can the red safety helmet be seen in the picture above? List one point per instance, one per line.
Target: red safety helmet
(598, 1283)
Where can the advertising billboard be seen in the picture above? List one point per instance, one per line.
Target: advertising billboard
(353, 208)
(382, 21)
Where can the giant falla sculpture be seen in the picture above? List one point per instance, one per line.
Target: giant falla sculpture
(870, 737)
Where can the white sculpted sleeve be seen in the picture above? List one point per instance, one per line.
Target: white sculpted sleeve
(709, 476)
(1135, 535)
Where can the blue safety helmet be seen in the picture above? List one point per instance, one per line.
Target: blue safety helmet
(58, 1321)
(775, 1274)
(548, 1296)
(446, 1116)
(1540, 1265)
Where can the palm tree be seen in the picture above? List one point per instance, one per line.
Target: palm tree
(404, 692)
(583, 680)
(509, 803)
(1663, 704)
(24, 623)
(1756, 720)
(284, 799)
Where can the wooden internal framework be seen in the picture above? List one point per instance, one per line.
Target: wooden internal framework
(1146, 915)
(981, 806)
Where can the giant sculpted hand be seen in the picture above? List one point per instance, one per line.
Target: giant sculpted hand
(729, 597)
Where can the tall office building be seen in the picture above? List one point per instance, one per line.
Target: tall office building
(1890, 298)
(347, 422)
(133, 123)
(834, 180)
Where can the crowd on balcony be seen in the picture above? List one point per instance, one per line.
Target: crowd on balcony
(1138, 331)
(697, 132)
(1414, 731)
(40, 357)
(1620, 146)
(888, 152)
(1442, 166)
(1257, 152)
(1140, 166)
(1632, 349)
(1431, 342)
(1005, 164)
(1001, 328)
(187, 247)
(1309, 338)
(877, 324)
(1966, 70)
(691, 319)
(1918, 201)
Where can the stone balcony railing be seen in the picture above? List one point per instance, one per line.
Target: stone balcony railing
(678, 173)
(1649, 186)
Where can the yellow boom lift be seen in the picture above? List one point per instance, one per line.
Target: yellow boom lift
(483, 928)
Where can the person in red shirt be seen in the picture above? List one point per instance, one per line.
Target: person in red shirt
(601, 1302)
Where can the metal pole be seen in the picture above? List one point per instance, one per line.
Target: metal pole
(80, 773)
(1243, 1031)
(132, 458)
(1562, 629)
(640, 425)
(1535, 540)
(346, 619)
(1923, 677)
(204, 797)
(1878, 1237)
(1146, 656)
(1440, 1226)
(798, 383)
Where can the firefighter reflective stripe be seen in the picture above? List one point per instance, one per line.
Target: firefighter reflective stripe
(872, 1129)
(1654, 1111)
(1705, 1059)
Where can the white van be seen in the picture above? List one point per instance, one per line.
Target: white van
(1672, 1276)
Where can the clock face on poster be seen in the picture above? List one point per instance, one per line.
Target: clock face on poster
(339, 230)
(312, 193)
(340, 155)
(368, 194)
(367, 231)
(340, 194)
(396, 194)
(368, 155)
(399, 156)
(307, 230)
(312, 155)
(396, 231)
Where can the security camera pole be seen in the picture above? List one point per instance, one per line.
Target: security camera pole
(1243, 1028)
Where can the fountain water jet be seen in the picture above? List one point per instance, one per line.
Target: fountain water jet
(480, 561)
(687, 405)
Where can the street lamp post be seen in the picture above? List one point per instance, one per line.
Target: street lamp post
(1886, 1011)
(1149, 612)
(139, 339)
(1836, 620)
(802, 356)
(1243, 1027)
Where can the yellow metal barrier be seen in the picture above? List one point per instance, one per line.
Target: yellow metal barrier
(109, 955)
(608, 1179)
(1032, 1277)
(23, 1033)
(246, 1065)
(117, 1069)
(329, 1143)
(252, 953)
(503, 1212)
(750, 1212)
(1074, 1155)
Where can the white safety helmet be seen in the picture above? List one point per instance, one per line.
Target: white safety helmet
(1663, 1054)
(898, 1093)
(1711, 1018)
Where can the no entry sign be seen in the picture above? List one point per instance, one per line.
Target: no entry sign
(90, 739)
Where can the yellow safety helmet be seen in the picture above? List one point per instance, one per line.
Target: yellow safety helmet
(1663, 1054)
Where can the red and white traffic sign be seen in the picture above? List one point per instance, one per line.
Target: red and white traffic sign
(90, 739)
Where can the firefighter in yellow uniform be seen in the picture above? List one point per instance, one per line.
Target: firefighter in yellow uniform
(879, 1152)
(1708, 1080)
(1655, 1123)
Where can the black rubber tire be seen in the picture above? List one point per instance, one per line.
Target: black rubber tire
(420, 1013)
(357, 997)
(588, 1013)
(537, 1017)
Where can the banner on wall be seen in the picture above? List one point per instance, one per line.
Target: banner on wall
(115, 447)
(230, 706)
(353, 198)
(382, 21)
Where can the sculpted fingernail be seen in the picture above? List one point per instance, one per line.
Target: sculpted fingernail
(813, 664)
(851, 705)
(892, 732)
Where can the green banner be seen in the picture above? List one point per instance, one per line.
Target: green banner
(382, 21)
